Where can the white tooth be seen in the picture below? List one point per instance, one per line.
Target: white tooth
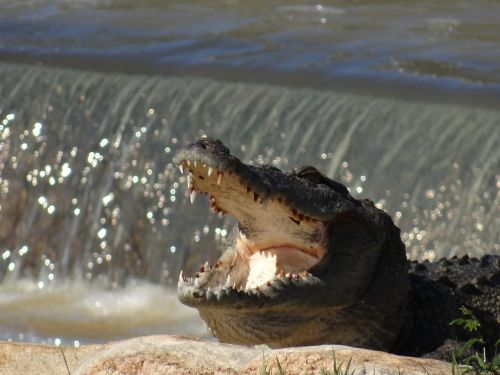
(190, 181)
(181, 168)
(197, 282)
(219, 177)
(181, 279)
(210, 171)
(195, 163)
(228, 281)
(265, 202)
(221, 214)
(206, 266)
(188, 163)
(192, 196)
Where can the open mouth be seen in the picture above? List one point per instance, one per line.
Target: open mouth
(276, 244)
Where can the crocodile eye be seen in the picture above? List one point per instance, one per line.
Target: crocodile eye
(309, 173)
(313, 175)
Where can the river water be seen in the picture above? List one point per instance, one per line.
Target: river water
(398, 100)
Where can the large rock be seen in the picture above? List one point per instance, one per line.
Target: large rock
(181, 355)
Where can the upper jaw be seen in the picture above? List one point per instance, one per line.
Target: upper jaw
(260, 198)
(313, 201)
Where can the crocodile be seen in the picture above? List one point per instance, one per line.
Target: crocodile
(311, 264)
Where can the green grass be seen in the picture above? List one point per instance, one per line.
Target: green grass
(470, 358)
(267, 370)
(338, 368)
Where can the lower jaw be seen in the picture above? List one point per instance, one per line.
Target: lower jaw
(249, 273)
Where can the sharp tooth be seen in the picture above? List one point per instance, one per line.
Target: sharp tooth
(219, 177)
(181, 279)
(228, 281)
(181, 168)
(210, 171)
(192, 196)
(195, 163)
(264, 203)
(206, 265)
(190, 181)
(188, 163)
(221, 214)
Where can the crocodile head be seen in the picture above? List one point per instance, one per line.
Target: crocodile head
(310, 264)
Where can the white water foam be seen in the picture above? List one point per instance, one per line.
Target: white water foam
(75, 313)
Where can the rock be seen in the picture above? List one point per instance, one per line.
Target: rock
(182, 355)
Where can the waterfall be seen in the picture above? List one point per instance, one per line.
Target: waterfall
(88, 189)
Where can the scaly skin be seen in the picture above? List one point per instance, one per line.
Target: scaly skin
(312, 265)
(438, 290)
